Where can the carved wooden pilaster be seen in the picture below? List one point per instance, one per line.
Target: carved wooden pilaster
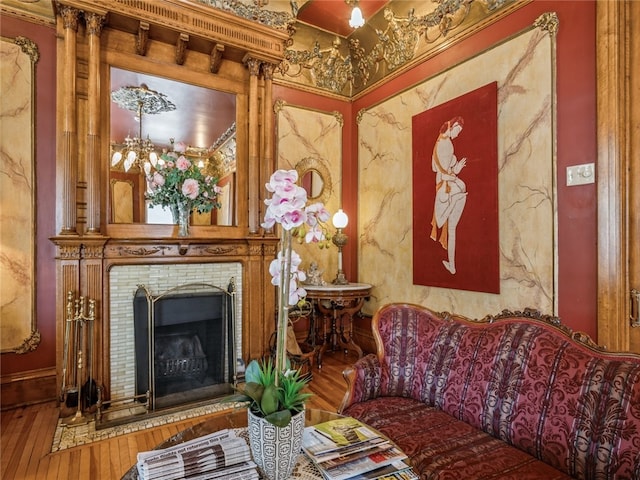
(254, 146)
(91, 287)
(94, 29)
(268, 161)
(261, 298)
(618, 54)
(67, 280)
(68, 168)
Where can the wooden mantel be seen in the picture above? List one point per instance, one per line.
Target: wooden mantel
(225, 52)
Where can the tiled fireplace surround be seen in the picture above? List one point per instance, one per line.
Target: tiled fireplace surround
(158, 278)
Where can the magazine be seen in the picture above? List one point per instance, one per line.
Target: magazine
(345, 431)
(364, 464)
(322, 449)
(347, 449)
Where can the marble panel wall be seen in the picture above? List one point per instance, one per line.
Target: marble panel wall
(524, 68)
(313, 139)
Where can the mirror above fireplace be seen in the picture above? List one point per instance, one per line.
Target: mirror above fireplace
(202, 118)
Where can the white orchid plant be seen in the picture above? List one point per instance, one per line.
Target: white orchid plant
(274, 390)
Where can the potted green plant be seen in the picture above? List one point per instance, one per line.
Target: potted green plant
(276, 402)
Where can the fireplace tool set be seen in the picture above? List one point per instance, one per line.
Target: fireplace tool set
(78, 357)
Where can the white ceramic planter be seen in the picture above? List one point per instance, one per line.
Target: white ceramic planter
(275, 450)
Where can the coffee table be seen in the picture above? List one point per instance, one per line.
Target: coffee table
(237, 419)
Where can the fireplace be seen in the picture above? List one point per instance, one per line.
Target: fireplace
(124, 402)
(184, 344)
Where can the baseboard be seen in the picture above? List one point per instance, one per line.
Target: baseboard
(27, 388)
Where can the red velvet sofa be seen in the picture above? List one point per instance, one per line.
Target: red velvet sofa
(511, 396)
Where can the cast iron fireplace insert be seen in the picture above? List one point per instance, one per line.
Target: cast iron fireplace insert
(184, 344)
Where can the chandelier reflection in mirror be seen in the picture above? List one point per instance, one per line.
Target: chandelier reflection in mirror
(142, 101)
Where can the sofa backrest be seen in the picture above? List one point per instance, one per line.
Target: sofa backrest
(520, 377)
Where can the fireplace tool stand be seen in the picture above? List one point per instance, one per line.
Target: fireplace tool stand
(78, 354)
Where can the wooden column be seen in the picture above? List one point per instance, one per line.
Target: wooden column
(68, 170)
(94, 28)
(268, 163)
(254, 147)
(618, 47)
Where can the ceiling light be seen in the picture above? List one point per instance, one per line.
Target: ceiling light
(356, 20)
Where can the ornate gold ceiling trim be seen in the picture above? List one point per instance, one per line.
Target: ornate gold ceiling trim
(390, 44)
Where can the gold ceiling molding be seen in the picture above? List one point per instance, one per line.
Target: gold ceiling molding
(403, 34)
(256, 12)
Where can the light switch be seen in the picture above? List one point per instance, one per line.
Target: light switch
(581, 174)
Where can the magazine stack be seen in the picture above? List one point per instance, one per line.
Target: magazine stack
(347, 449)
(221, 456)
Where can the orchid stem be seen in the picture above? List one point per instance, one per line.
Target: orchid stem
(283, 304)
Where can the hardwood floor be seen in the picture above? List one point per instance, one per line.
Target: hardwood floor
(27, 435)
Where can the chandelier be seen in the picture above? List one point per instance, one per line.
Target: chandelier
(140, 100)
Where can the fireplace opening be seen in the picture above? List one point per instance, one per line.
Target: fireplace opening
(184, 345)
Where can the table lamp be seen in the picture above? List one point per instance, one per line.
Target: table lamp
(340, 221)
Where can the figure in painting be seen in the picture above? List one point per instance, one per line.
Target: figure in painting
(451, 191)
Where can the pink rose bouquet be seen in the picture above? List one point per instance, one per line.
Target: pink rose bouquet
(177, 180)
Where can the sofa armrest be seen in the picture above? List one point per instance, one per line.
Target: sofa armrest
(363, 381)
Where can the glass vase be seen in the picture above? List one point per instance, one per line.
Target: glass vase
(183, 212)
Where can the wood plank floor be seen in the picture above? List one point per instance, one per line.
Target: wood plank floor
(27, 435)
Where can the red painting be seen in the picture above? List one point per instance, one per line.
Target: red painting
(455, 194)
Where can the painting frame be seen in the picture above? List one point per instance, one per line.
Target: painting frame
(455, 193)
(18, 328)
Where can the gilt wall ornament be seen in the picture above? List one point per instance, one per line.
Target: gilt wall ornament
(255, 11)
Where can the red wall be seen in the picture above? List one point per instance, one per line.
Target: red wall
(576, 143)
(45, 136)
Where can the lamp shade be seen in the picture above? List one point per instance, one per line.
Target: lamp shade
(356, 19)
(340, 219)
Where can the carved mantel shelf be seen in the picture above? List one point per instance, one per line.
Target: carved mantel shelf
(187, 248)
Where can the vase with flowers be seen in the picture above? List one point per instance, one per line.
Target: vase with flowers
(179, 183)
(276, 393)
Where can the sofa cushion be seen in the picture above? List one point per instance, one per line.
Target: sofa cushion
(441, 447)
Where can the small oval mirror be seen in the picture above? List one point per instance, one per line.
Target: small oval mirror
(314, 177)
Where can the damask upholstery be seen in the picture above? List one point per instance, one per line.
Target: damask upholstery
(512, 396)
